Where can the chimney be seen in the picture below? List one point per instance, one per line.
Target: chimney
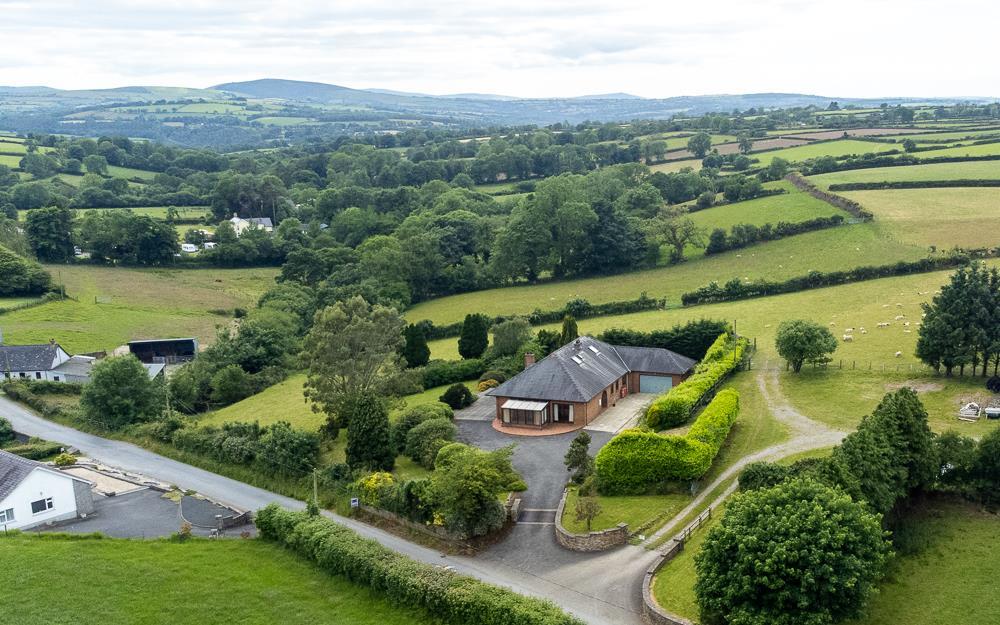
(529, 359)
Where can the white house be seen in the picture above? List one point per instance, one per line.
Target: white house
(33, 362)
(241, 225)
(33, 494)
(189, 248)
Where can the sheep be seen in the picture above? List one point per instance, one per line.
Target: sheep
(863, 331)
(907, 331)
(848, 338)
(833, 323)
(848, 330)
(885, 305)
(899, 354)
(906, 323)
(898, 305)
(884, 324)
(899, 317)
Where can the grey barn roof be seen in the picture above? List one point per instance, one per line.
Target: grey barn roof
(579, 371)
(28, 357)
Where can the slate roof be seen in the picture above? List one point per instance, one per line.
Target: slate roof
(77, 365)
(14, 468)
(263, 222)
(579, 371)
(28, 357)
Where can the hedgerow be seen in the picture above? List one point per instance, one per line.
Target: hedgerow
(444, 595)
(675, 406)
(636, 460)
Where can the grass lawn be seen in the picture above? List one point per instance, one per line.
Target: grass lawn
(964, 217)
(911, 173)
(673, 586)
(142, 581)
(841, 147)
(634, 510)
(135, 304)
(841, 398)
(861, 244)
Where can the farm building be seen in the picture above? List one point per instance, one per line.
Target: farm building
(33, 362)
(32, 494)
(578, 381)
(164, 351)
(241, 225)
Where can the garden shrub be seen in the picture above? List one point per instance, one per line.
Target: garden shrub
(486, 385)
(425, 440)
(64, 460)
(441, 372)
(492, 374)
(35, 449)
(636, 460)
(415, 416)
(6, 432)
(445, 595)
(458, 396)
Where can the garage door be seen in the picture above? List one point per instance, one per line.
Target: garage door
(655, 383)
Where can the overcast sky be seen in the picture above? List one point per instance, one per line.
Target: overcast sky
(654, 48)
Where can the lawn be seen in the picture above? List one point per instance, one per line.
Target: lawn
(50, 580)
(862, 304)
(969, 170)
(110, 306)
(825, 250)
(673, 586)
(964, 217)
(634, 510)
(842, 147)
(794, 206)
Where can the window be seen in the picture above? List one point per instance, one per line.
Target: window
(42, 505)
(38, 375)
(56, 378)
(7, 516)
(23, 374)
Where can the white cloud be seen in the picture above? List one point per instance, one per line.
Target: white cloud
(519, 47)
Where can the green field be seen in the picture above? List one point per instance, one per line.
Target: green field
(135, 304)
(985, 149)
(794, 206)
(949, 136)
(284, 121)
(50, 580)
(862, 304)
(129, 173)
(970, 170)
(840, 147)
(824, 250)
(945, 217)
(10, 160)
(674, 166)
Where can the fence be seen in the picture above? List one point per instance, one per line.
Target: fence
(847, 365)
(652, 613)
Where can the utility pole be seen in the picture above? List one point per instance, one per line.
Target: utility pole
(315, 487)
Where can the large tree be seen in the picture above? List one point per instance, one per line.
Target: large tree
(352, 348)
(369, 439)
(800, 553)
(700, 144)
(800, 341)
(120, 393)
(674, 228)
(50, 233)
(475, 336)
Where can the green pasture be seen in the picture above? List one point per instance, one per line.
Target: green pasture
(966, 217)
(110, 306)
(160, 581)
(284, 121)
(10, 160)
(967, 170)
(838, 148)
(823, 250)
(670, 167)
(129, 173)
(957, 135)
(794, 206)
(218, 108)
(985, 149)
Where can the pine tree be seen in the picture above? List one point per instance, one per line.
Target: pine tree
(475, 337)
(569, 330)
(415, 349)
(369, 439)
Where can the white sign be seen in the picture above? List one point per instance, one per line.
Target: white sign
(354, 502)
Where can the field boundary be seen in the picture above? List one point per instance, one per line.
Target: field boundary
(913, 184)
(837, 201)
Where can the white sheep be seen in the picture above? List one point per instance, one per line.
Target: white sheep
(899, 354)
(899, 317)
(848, 338)
(848, 330)
(906, 323)
(863, 331)
(884, 324)
(907, 331)
(885, 305)
(833, 323)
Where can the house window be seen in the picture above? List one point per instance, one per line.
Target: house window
(42, 505)
(23, 374)
(38, 375)
(56, 378)
(7, 516)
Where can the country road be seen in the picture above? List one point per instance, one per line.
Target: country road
(601, 589)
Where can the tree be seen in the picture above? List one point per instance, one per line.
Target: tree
(799, 341)
(673, 227)
(120, 393)
(50, 233)
(352, 348)
(230, 384)
(798, 553)
(909, 145)
(21, 276)
(415, 349)
(369, 439)
(569, 330)
(700, 144)
(578, 459)
(587, 509)
(6, 432)
(986, 468)
(466, 489)
(475, 336)
(96, 164)
(510, 335)
(778, 168)
(745, 143)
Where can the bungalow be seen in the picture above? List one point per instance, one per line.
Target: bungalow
(32, 494)
(241, 225)
(578, 381)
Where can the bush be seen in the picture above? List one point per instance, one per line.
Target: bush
(21, 276)
(425, 440)
(6, 432)
(691, 339)
(486, 385)
(675, 406)
(441, 372)
(447, 596)
(497, 376)
(35, 449)
(64, 460)
(415, 416)
(457, 396)
(635, 460)
(758, 475)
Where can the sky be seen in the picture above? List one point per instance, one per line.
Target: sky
(527, 48)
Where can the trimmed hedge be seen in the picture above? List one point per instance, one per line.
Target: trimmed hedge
(635, 460)
(35, 449)
(691, 339)
(452, 598)
(441, 372)
(674, 407)
(743, 235)
(913, 184)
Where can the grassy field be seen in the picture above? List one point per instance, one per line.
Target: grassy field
(128, 172)
(985, 149)
(10, 160)
(862, 244)
(794, 206)
(964, 217)
(135, 304)
(145, 582)
(957, 135)
(842, 147)
(674, 166)
(863, 304)
(913, 173)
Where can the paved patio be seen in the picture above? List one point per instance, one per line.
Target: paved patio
(624, 414)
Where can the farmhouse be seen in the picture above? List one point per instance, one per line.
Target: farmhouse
(241, 225)
(578, 381)
(34, 362)
(33, 494)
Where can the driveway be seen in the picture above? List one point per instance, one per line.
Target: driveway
(624, 414)
(483, 409)
(601, 589)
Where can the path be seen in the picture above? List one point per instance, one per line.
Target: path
(806, 434)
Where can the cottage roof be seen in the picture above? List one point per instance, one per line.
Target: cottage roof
(580, 370)
(28, 357)
(14, 468)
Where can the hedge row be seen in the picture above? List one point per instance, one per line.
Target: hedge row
(674, 407)
(577, 308)
(694, 208)
(742, 235)
(913, 184)
(445, 595)
(35, 449)
(636, 460)
(833, 199)
(441, 372)
(895, 161)
(692, 339)
(736, 290)
(23, 391)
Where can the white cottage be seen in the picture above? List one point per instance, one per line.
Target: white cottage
(32, 494)
(33, 362)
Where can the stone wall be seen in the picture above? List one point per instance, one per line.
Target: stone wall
(592, 541)
(652, 613)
